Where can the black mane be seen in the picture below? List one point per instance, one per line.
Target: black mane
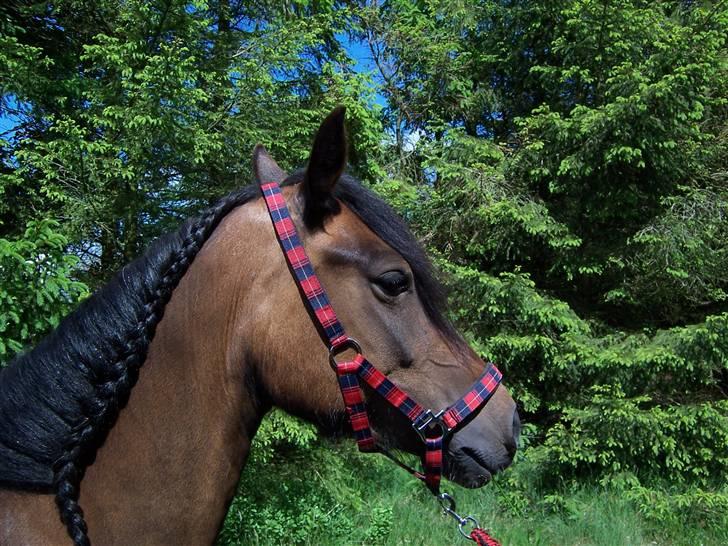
(58, 401)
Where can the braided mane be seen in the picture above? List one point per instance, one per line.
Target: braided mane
(59, 401)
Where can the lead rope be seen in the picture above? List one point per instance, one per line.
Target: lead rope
(482, 538)
(432, 428)
(447, 503)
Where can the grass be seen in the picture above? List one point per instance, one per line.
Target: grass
(331, 495)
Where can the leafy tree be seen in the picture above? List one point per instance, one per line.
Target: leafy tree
(164, 103)
(569, 171)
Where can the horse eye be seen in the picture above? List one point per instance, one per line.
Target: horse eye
(393, 283)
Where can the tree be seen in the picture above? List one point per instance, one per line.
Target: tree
(147, 111)
(569, 171)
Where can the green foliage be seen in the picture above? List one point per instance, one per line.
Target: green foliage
(684, 443)
(162, 110)
(598, 384)
(693, 506)
(36, 286)
(680, 256)
(297, 489)
(279, 433)
(329, 494)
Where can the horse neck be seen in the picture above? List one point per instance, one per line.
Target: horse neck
(169, 466)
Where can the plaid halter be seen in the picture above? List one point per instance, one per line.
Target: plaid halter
(433, 428)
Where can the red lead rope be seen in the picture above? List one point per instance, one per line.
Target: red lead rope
(481, 538)
(433, 428)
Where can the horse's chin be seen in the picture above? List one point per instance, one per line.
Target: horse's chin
(468, 468)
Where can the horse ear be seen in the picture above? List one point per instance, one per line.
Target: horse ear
(265, 167)
(327, 162)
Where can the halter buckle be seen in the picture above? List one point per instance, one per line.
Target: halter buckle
(428, 423)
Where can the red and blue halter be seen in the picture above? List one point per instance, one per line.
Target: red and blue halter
(433, 428)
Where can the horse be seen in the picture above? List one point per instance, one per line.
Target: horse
(150, 393)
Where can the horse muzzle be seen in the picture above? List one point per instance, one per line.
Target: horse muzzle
(480, 450)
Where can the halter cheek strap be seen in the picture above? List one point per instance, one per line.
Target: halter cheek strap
(433, 428)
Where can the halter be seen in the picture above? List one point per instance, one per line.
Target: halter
(432, 427)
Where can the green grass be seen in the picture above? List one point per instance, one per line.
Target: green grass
(331, 495)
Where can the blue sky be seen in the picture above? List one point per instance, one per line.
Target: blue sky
(363, 62)
(7, 122)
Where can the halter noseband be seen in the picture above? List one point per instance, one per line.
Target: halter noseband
(433, 428)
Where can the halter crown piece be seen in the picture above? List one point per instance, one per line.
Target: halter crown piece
(433, 428)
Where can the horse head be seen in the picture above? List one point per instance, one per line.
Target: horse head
(382, 287)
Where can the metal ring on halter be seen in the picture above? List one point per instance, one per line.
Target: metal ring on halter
(336, 350)
(430, 425)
